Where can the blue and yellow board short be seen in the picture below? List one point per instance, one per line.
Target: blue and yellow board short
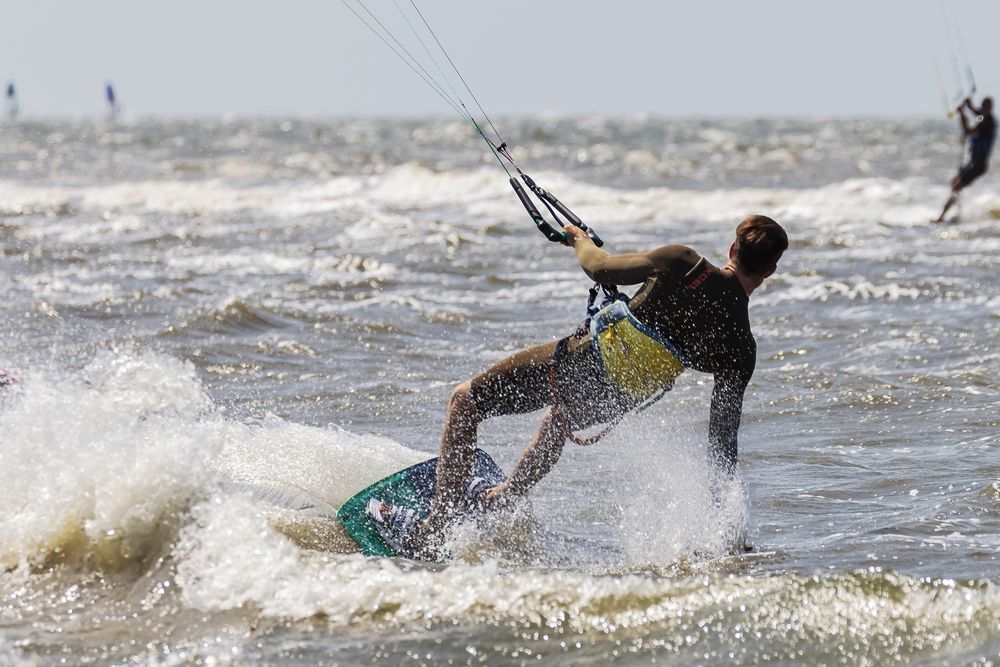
(636, 359)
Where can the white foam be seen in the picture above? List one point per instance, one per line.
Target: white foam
(328, 465)
(859, 289)
(71, 286)
(100, 457)
(229, 559)
(413, 184)
(99, 463)
(476, 198)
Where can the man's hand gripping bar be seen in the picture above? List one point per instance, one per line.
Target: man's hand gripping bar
(555, 207)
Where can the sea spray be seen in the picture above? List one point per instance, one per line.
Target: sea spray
(93, 463)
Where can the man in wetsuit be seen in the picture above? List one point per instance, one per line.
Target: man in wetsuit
(980, 131)
(699, 308)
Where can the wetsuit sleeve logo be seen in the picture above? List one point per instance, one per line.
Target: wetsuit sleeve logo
(699, 278)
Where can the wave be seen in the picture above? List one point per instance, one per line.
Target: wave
(228, 562)
(484, 193)
(94, 463)
(126, 466)
(103, 466)
(235, 316)
(133, 447)
(860, 289)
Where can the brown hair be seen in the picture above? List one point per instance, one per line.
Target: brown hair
(760, 242)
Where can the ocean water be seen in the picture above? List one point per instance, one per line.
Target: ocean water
(224, 328)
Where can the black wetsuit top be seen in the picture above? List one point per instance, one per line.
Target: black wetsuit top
(704, 312)
(981, 141)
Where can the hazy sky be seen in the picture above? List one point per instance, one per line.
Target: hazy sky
(313, 57)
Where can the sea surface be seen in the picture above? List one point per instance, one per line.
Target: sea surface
(224, 328)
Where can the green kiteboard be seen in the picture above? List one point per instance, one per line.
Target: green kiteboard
(412, 488)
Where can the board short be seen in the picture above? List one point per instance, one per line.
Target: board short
(970, 172)
(636, 358)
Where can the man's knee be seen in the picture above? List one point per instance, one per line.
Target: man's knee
(463, 404)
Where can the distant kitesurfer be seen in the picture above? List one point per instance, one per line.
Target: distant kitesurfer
(980, 130)
(12, 106)
(109, 94)
(688, 314)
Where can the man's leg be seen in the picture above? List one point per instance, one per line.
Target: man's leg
(517, 384)
(956, 186)
(455, 467)
(947, 205)
(455, 458)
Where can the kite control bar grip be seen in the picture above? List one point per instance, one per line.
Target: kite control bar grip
(559, 206)
(544, 227)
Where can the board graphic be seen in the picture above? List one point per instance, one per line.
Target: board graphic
(412, 487)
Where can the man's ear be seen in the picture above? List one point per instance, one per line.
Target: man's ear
(732, 250)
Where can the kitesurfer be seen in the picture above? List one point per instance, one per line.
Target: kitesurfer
(109, 95)
(12, 106)
(980, 130)
(688, 314)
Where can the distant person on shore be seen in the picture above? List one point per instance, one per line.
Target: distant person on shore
(980, 130)
(12, 107)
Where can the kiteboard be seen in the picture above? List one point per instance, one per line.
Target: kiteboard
(413, 488)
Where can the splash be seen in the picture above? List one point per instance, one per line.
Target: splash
(98, 459)
(104, 465)
(675, 506)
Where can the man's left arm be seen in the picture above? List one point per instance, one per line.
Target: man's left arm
(724, 419)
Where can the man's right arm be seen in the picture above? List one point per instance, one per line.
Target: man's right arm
(968, 126)
(628, 268)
